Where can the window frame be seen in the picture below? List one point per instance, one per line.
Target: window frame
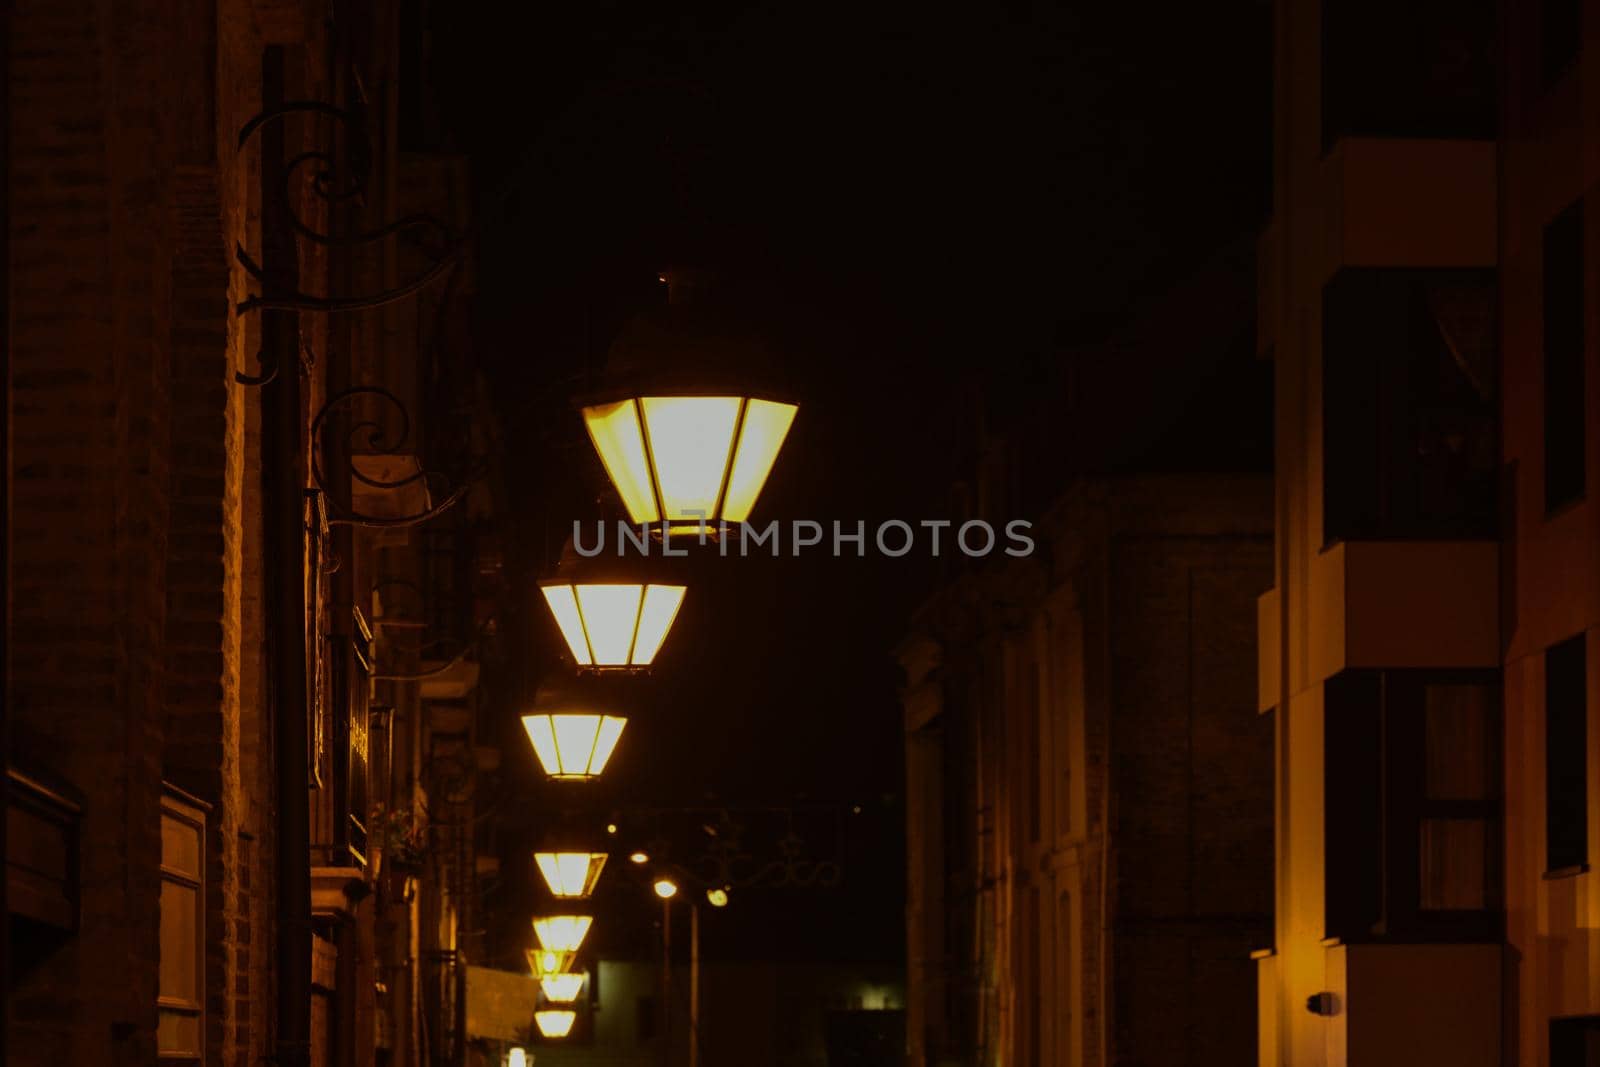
(183, 808)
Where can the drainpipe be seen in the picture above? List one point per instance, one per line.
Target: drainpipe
(283, 498)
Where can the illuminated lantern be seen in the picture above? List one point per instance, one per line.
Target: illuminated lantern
(561, 988)
(682, 460)
(544, 962)
(573, 746)
(555, 1023)
(613, 625)
(517, 1057)
(570, 875)
(561, 933)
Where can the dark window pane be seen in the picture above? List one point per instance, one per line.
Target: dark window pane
(1453, 861)
(1566, 765)
(1563, 358)
(1352, 751)
(1410, 425)
(1456, 721)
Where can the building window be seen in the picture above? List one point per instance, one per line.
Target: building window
(1425, 68)
(1560, 32)
(1566, 711)
(180, 1024)
(1575, 1042)
(1413, 805)
(1563, 358)
(1410, 405)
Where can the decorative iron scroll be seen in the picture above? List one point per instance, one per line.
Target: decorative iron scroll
(378, 441)
(336, 178)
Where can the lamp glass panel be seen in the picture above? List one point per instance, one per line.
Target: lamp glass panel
(690, 439)
(575, 738)
(610, 616)
(660, 610)
(570, 874)
(766, 424)
(541, 733)
(555, 1023)
(561, 988)
(605, 742)
(562, 933)
(564, 606)
(614, 429)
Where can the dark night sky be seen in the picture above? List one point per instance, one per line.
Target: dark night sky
(938, 203)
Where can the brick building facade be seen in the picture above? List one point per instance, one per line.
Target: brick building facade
(165, 532)
(1088, 787)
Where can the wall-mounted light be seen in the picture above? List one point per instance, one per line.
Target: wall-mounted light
(570, 875)
(555, 1023)
(543, 962)
(687, 459)
(574, 747)
(610, 625)
(562, 933)
(562, 988)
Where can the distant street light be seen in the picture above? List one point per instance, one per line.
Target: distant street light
(561, 933)
(639, 858)
(666, 888)
(555, 1023)
(717, 898)
(684, 460)
(570, 875)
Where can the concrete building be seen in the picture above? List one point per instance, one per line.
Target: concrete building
(213, 684)
(1382, 641)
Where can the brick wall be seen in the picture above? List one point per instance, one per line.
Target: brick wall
(91, 237)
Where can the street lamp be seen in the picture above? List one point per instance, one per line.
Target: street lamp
(573, 747)
(517, 1057)
(717, 898)
(639, 859)
(544, 962)
(570, 875)
(562, 988)
(689, 460)
(613, 625)
(561, 933)
(555, 1022)
(666, 888)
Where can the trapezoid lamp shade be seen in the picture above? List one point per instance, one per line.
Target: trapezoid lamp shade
(570, 875)
(561, 933)
(544, 962)
(562, 988)
(555, 1022)
(573, 746)
(610, 625)
(684, 460)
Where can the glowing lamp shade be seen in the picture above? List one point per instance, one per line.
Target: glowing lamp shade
(573, 747)
(561, 988)
(666, 888)
(544, 962)
(517, 1057)
(555, 1023)
(570, 875)
(684, 459)
(561, 933)
(613, 625)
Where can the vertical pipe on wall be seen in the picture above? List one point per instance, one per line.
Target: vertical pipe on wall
(283, 493)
